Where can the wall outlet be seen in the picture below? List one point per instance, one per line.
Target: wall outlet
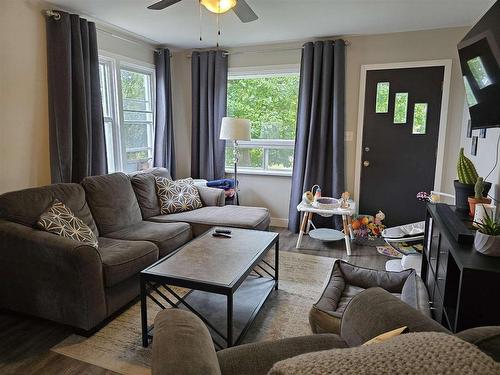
(349, 136)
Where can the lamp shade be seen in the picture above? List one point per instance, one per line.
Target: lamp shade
(235, 129)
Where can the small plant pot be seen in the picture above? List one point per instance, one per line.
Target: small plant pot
(487, 245)
(464, 191)
(474, 201)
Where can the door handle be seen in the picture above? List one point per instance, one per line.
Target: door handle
(366, 163)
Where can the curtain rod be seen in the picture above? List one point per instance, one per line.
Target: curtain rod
(57, 17)
(346, 42)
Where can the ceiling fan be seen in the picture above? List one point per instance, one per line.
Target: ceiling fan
(239, 7)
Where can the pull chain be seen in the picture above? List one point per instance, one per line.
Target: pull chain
(199, 3)
(218, 23)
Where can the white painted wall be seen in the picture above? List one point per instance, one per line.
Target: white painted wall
(273, 191)
(132, 49)
(485, 160)
(24, 125)
(24, 160)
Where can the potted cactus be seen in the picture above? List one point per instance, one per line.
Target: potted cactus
(467, 178)
(487, 239)
(478, 196)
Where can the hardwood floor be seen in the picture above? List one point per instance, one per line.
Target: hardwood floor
(25, 342)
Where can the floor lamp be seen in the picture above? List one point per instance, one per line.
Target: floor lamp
(235, 129)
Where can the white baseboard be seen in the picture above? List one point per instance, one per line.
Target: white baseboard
(279, 222)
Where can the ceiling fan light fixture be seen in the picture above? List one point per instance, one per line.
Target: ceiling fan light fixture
(218, 6)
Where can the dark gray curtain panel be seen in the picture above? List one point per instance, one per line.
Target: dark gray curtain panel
(319, 142)
(164, 153)
(76, 125)
(209, 91)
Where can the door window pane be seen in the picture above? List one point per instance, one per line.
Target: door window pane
(279, 158)
(110, 149)
(479, 72)
(420, 118)
(471, 98)
(128, 105)
(136, 91)
(135, 135)
(400, 107)
(249, 157)
(382, 99)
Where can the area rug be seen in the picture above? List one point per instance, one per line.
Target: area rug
(117, 346)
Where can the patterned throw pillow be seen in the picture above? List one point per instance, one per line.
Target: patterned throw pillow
(177, 196)
(60, 220)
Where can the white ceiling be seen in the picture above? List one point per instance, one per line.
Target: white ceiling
(279, 20)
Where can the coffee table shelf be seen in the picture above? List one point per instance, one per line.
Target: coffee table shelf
(230, 279)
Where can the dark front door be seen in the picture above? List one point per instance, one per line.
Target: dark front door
(400, 136)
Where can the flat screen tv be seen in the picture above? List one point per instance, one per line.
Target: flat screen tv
(479, 53)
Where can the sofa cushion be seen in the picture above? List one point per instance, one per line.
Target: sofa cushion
(227, 216)
(486, 338)
(177, 196)
(112, 202)
(59, 220)
(144, 185)
(26, 206)
(166, 236)
(124, 259)
(412, 353)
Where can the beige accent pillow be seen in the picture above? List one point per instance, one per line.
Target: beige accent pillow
(419, 353)
(177, 196)
(59, 219)
(387, 335)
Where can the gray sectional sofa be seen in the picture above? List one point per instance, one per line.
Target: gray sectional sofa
(182, 342)
(62, 280)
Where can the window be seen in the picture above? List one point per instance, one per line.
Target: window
(477, 69)
(382, 98)
(269, 101)
(400, 107)
(128, 108)
(419, 118)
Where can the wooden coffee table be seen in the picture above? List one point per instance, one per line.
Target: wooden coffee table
(228, 278)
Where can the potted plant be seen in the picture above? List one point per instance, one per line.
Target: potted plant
(467, 178)
(487, 239)
(478, 196)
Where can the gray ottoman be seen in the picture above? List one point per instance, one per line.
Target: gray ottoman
(346, 280)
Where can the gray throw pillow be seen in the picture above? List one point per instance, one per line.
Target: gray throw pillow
(177, 196)
(59, 219)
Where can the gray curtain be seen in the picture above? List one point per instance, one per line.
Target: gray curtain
(319, 143)
(209, 91)
(164, 153)
(76, 126)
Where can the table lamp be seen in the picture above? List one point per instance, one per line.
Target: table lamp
(235, 129)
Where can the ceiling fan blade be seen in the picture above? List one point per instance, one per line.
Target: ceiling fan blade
(162, 4)
(244, 12)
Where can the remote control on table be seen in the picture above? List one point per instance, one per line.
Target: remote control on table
(226, 235)
(225, 231)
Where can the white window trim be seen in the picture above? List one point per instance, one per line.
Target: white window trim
(118, 62)
(260, 72)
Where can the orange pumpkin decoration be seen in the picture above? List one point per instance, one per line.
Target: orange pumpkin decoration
(355, 224)
(365, 220)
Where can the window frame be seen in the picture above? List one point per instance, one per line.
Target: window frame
(266, 144)
(117, 63)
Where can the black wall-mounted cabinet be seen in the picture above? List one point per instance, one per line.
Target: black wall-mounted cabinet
(463, 285)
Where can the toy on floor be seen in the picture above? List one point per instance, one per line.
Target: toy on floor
(367, 227)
